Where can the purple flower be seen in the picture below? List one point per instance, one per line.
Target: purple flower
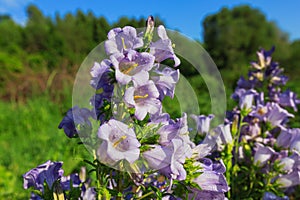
(165, 81)
(122, 39)
(272, 196)
(263, 154)
(74, 117)
(289, 180)
(119, 142)
(89, 194)
(277, 115)
(67, 180)
(49, 172)
(212, 178)
(175, 129)
(169, 159)
(264, 59)
(246, 99)
(162, 49)
(132, 66)
(225, 134)
(205, 195)
(144, 98)
(100, 76)
(286, 136)
(203, 123)
(288, 99)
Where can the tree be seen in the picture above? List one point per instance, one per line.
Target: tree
(231, 36)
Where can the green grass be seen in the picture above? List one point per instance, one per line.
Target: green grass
(28, 137)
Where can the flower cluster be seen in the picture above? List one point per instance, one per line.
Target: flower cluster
(140, 152)
(260, 126)
(49, 183)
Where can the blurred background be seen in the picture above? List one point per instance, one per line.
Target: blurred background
(43, 43)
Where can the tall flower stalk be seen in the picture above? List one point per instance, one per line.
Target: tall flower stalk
(140, 152)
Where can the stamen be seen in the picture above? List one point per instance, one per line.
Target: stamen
(119, 141)
(126, 68)
(135, 97)
(123, 43)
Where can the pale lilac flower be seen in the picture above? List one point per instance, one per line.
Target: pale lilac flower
(132, 66)
(118, 142)
(246, 99)
(212, 178)
(48, 172)
(122, 39)
(169, 159)
(205, 195)
(165, 81)
(162, 49)
(89, 194)
(175, 129)
(144, 98)
(277, 115)
(225, 136)
(100, 75)
(263, 154)
(203, 123)
(288, 99)
(285, 137)
(295, 140)
(289, 180)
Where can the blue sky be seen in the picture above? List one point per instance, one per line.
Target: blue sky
(185, 16)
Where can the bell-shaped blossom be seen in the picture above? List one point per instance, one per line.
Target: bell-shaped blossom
(285, 137)
(97, 101)
(144, 98)
(272, 196)
(211, 178)
(122, 39)
(295, 140)
(165, 81)
(204, 194)
(48, 172)
(277, 115)
(162, 49)
(100, 75)
(246, 99)
(263, 154)
(288, 99)
(175, 129)
(74, 117)
(118, 142)
(132, 65)
(89, 194)
(169, 159)
(203, 123)
(225, 136)
(289, 180)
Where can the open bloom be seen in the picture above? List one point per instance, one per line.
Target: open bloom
(203, 123)
(169, 159)
(100, 75)
(263, 154)
(119, 142)
(122, 39)
(49, 172)
(144, 98)
(132, 65)
(162, 49)
(165, 81)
